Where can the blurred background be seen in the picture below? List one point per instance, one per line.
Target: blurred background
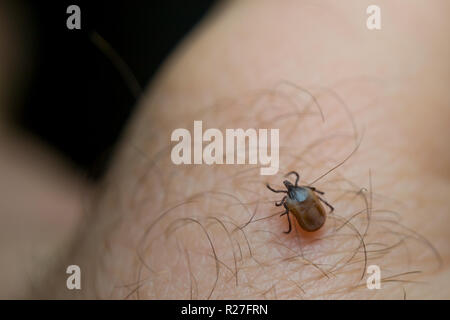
(76, 100)
(63, 105)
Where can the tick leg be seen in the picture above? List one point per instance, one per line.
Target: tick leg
(329, 205)
(296, 179)
(281, 201)
(273, 190)
(289, 220)
(316, 190)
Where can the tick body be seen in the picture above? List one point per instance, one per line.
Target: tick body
(304, 203)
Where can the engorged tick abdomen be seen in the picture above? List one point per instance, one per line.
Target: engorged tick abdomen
(306, 208)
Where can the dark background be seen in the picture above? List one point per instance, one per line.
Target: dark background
(76, 100)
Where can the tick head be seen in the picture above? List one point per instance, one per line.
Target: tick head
(288, 185)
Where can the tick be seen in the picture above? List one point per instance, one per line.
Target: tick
(304, 203)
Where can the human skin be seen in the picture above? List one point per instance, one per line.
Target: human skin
(156, 230)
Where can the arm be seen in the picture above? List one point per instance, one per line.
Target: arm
(158, 230)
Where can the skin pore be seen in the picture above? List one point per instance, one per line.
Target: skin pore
(156, 230)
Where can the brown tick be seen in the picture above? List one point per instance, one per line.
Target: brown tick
(303, 203)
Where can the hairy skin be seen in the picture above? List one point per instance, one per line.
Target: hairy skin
(157, 230)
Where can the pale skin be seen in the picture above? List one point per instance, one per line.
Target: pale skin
(156, 230)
